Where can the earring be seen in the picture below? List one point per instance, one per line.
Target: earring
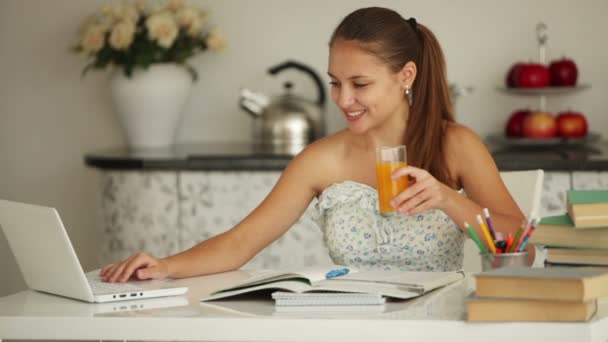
(410, 96)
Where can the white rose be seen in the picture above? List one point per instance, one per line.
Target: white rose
(105, 21)
(195, 27)
(122, 35)
(186, 16)
(162, 28)
(93, 39)
(216, 40)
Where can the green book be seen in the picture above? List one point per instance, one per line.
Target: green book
(588, 208)
(587, 196)
(560, 220)
(559, 231)
(563, 220)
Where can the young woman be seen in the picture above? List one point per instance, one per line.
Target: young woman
(388, 78)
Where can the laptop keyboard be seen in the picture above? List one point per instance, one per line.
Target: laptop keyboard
(100, 287)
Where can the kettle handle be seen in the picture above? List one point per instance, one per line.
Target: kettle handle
(293, 64)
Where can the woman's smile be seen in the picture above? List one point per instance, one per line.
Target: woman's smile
(353, 116)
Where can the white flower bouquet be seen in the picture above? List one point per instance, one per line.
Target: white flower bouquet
(129, 35)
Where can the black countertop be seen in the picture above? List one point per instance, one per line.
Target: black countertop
(248, 157)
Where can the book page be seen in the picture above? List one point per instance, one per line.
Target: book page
(388, 290)
(419, 282)
(293, 285)
(308, 275)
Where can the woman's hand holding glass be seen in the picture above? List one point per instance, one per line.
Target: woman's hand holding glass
(425, 192)
(140, 266)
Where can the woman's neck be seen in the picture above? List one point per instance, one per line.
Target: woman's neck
(390, 133)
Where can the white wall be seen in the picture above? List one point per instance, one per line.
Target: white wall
(49, 117)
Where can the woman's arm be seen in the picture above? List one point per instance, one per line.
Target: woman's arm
(473, 167)
(479, 176)
(289, 198)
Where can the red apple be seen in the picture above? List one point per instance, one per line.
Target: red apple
(513, 75)
(540, 125)
(528, 75)
(534, 76)
(571, 124)
(515, 124)
(563, 73)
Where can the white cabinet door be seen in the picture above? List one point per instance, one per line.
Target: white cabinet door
(139, 212)
(553, 201)
(213, 202)
(586, 180)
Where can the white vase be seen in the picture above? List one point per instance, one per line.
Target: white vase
(150, 103)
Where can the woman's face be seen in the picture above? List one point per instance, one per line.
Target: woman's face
(364, 88)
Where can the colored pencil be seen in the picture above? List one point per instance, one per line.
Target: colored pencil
(486, 234)
(475, 238)
(486, 213)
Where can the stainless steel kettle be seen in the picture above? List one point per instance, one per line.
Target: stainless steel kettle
(286, 123)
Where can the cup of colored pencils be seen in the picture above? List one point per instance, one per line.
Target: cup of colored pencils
(501, 251)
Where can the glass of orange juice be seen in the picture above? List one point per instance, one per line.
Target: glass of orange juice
(389, 159)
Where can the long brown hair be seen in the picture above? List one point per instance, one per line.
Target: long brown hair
(396, 41)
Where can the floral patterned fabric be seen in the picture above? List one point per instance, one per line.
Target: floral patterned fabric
(357, 235)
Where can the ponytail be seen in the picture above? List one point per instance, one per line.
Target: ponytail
(430, 110)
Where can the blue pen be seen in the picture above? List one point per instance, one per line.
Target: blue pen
(337, 273)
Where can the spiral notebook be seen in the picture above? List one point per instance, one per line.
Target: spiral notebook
(282, 298)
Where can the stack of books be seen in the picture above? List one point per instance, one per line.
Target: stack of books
(556, 294)
(580, 236)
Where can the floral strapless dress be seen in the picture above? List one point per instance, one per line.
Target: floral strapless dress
(357, 235)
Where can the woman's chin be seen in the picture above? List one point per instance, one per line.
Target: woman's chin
(357, 128)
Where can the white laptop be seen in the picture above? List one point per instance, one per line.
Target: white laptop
(49, 264)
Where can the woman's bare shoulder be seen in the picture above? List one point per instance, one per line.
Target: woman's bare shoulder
(326, 149)
(320, 161)
(463, 149)
(459, 131)
(461, 140)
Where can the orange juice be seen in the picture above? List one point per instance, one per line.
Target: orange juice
(389, 188)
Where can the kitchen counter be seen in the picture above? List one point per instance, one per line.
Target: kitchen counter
(245, 156)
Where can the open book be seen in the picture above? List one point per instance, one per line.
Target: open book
(394, 284)
(445, 303)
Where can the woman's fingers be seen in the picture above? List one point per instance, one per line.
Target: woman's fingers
(151, 272)
(117, 269)
(140, 265)
(410, 207)
(410, 171)
(105, 269)
(140, 261)
(421, 207)
(410, 192)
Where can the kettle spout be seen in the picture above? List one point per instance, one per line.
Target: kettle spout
(252, 102)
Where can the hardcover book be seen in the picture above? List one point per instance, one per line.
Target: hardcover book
(588, 208)
(555, 283)
(577, 256)
(528, 310)
(559, 231)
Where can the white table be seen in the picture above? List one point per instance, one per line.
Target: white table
(438, 316)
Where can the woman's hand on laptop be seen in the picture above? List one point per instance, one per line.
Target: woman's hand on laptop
(140, 266)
